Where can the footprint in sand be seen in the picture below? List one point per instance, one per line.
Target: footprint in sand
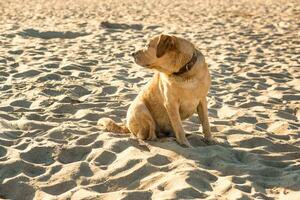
(59, 188)
(73, 154)
(38, 155)
(27, 74)
(159, 160)
(3, 152)
(49, 77)
(86, 140)
(21, 187)
(105, 158)
(21, 103)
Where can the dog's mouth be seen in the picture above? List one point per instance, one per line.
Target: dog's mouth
(137, 61)
(149, 66)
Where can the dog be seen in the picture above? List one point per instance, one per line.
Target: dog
(177, 90)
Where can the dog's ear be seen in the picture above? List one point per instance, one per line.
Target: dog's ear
(165, 43)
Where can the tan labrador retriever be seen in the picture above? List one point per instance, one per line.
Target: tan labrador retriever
(177, 90)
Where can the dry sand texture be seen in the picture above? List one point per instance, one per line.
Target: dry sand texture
(61, 70)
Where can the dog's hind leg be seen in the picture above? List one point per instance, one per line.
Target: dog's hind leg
(140, 122)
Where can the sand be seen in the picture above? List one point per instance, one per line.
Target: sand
(66, 64)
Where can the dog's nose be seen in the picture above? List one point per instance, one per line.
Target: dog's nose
(133, 54)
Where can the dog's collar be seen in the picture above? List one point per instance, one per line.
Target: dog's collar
(188, 66)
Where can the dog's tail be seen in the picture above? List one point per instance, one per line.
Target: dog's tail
(111, 126)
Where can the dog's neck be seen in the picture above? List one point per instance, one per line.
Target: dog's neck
(188, 66)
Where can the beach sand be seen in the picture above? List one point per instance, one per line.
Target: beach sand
(66, 64)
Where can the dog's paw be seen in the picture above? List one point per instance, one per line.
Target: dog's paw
(152, 137)
(210, 141)
(216, 141)
(184, 143)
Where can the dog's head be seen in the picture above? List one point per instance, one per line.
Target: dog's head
(165, 53)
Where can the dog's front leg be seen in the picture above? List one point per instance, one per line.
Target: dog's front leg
(203, 116)
(174, 116)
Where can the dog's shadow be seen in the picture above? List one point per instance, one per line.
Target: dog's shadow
(249, 162)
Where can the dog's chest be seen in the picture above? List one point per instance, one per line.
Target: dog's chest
(187, 94)
(188, 104)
